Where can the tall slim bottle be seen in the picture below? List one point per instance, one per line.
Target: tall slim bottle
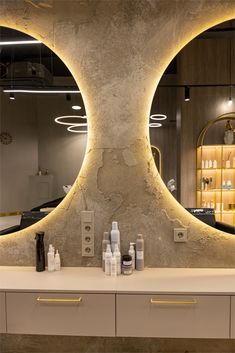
(139, 252)
(40, 252)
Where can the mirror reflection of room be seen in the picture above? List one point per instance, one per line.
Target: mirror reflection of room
(196, 88)
(39, 158)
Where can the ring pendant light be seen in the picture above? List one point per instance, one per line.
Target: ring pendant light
(155, 125)
(59, 119)
(158, 117)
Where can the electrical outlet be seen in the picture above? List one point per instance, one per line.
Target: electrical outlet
(180, 235)
(87, 225)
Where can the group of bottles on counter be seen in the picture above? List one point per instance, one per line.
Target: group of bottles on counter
(113, 263)
(53, 259)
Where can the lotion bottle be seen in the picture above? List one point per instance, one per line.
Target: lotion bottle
(108, 256)
(117, 256)
(139, 253)
(131, 252)
(105, 242)
(113, 266)
(115, 236)
(57, 261)
(51, 259)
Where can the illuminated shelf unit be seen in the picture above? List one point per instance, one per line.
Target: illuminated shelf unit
(216, 180)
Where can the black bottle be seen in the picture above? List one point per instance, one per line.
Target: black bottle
(40, 252)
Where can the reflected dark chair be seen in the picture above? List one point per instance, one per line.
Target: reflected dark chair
(27, 219)
(207, 215)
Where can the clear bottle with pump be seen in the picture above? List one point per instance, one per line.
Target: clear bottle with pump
(117, 256)
(108, 256)
(113, 266)
(57, 261)
(105, 242)
(131, 252)
(139, 253)
(51, 259)
(115, 236)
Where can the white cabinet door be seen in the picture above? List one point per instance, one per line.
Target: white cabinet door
(2, 313)
(173, 316)
(61, 314)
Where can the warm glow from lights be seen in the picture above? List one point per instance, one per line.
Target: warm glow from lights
(230, 101)
(158, 117)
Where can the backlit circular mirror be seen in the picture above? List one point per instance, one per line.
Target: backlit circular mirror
(197, 87)
(40, 158)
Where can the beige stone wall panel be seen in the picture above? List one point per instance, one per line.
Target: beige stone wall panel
(117, 51)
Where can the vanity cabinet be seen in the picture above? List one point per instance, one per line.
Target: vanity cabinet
(2, 313)
(61, 314)
(173, 316)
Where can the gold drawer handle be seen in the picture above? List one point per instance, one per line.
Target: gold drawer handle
(48, 300)
(173, 302)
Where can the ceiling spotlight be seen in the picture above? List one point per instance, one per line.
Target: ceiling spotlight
(68, 97)
(12, 96)
(155, 125)
(158, 117)
(76, 107)
(186, 93)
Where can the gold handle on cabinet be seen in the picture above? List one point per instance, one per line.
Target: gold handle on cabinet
(51, 300)
(173, 302)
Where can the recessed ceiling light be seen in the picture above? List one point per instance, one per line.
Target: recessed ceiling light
(158, 117)
(155, 125)
(76, 107)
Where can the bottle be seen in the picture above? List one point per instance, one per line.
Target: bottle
(57, 261)
(113, 266)
(139, 253)
(233, 162)
(40, 252)
(105, 242)
(203, 164)
(127, 265)
(206, 164)
(131, 252)
(51, 259)
(117, 256)
(115, 236)
(214, 163)
(108, 256)
(210, 163)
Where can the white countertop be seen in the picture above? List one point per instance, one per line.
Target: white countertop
(93, 279)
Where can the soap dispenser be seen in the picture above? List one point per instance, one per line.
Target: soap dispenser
(40, 252)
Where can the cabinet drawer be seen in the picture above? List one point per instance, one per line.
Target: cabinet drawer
(2, 313)
(173, 316)
(232, 317)
(61, 314)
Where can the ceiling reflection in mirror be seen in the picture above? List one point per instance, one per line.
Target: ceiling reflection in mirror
(40, 156)
(197, 87)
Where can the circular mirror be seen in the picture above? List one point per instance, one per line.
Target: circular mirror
(197, 87)
(40, 157)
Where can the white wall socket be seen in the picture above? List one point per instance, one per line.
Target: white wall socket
(88, 238)
(180, 235)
